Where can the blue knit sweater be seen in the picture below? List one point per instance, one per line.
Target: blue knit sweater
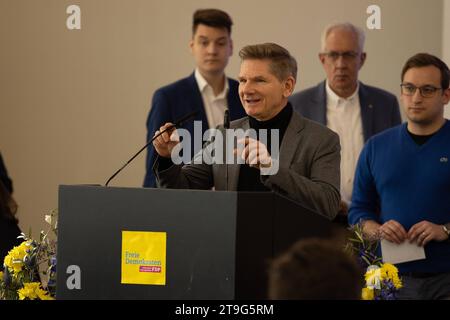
(400, 180)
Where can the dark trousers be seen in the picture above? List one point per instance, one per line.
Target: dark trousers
(425, 287)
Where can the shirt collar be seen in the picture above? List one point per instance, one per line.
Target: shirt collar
(334, 99)
(202, 84)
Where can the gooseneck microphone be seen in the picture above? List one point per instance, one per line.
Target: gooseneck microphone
(177, 124)
(226, 119)
(226, 125)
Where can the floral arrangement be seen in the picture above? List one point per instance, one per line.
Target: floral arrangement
(30, 268)
(381, 279)
(382, 282)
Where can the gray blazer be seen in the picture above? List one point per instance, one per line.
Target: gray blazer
(309, 168)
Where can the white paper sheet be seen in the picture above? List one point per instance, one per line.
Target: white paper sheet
(404, 252)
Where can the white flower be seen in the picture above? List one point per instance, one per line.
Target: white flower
(48, 219)
(373, 277)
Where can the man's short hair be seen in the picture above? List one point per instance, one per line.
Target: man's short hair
(214, 18)
(346, 26)
(424, 60)
(315, 269)
(282, 63)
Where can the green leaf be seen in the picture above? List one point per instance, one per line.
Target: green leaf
(366, 260)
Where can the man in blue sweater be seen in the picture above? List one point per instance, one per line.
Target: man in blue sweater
(402, 181)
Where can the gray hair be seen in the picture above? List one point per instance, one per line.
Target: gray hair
(346, 26)
(282, 64)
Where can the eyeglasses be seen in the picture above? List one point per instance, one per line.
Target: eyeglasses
(427, 91)
(346, 55)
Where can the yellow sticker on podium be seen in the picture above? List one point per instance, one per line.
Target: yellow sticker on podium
(144, 257)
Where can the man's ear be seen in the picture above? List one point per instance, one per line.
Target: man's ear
(231, 47)
(363, 59)
(191, 45)
(321, 58)
(446, 96)
(289, 85)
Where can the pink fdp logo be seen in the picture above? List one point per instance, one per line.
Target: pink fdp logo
(155, 269)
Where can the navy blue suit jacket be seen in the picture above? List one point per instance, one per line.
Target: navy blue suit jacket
(379, 108)
(174, 101)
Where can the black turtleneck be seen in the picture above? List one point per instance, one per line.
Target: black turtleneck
(249, 178)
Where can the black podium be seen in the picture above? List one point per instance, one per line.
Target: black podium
(219, 244)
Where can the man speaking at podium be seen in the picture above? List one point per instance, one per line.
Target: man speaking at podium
(304, 168)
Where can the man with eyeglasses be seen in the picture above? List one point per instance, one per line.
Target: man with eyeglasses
(350, 108)
(402, 181)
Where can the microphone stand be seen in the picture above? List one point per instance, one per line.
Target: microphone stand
(176, 125)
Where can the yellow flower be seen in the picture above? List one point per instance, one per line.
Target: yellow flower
(14, 260)
(32, 291)
(390, 272)
(367, 294)
(45, 296)
(27, 292)
(397, 282)
(1, 276)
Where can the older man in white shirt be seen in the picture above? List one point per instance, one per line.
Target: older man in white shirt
(347, 106)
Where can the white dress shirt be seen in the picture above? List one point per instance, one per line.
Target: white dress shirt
(344, 118)
(215, 106)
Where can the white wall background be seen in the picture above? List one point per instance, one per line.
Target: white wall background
(73, 104)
